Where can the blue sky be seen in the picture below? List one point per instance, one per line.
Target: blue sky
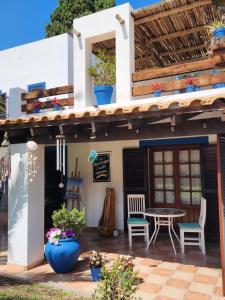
(23, 21)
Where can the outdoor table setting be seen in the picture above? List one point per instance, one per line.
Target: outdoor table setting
(164, 217)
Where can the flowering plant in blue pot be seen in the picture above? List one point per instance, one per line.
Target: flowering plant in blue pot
(63, 248)
(36, 107)
(96, 263)
(103, 73)
(217, 29)
(57, 105)
(157, 87)
(190, 84)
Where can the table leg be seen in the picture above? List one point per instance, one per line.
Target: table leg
(158, 225)
(171, 238)
(155, 230)
(175, 232)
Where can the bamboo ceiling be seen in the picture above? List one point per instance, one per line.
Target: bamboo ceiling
(171, 32)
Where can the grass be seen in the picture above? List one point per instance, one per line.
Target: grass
(11, 289)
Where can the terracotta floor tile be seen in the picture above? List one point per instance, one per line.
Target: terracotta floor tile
(205, 279)
(183, 275)
(163, 298)
(179, 283)
(148, 287)
(169, 265)
(218, 291)
(195, 296)
(208, 272)
(217, 298)
(162, 272)
(172, 292)
(153, 278)
(187, 268)
(201, 288)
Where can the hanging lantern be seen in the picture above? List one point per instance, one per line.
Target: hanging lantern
(5, 165)
(61, 156)
(32, 165)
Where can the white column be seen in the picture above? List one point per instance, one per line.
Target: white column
(99, 27)
(25, 210)
(14, 103)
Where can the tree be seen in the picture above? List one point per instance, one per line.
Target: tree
(67, 10)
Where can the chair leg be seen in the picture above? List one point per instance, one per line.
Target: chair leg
(130, 235)
(203, 242)
(147, 234)
(182, 241)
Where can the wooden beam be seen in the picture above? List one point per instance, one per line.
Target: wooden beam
(171, 53)
(174, 85)
(67, 89)
(173, 11)
(183, 68)
(176, 34)
(47, 104)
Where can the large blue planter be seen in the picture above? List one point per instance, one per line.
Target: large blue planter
(190, 88)
(63, 257)
(103, 94)
(95, 274)
(219, 32)
(157, 93)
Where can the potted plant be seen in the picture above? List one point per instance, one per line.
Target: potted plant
(104, 76)
(36, 107)
(218, 85)
(190, 84)
(96, 263)
(217, 29)
(157, 87)
(63, 248)
(57, 105)
(118, 281)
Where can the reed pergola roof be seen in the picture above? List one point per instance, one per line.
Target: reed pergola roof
(171, 32)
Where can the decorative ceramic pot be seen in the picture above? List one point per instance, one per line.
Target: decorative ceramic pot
(219, 32)
(157, 93)
(103, 94)
(190, 88)
(95, 274)
(63, 257)
(217, 85)
(57, 107)
(36, 110)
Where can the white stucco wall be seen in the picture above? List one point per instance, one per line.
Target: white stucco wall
(93, 193)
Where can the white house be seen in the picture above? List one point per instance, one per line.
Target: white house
(133, 129)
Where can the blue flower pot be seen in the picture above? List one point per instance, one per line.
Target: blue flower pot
(95, 274)
(219, 32)
(103, 94)
(57, 107)
(190, 88)
(63, 257)
(36, 110)
(157, 93)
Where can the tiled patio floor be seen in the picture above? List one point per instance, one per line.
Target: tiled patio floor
(164, 275)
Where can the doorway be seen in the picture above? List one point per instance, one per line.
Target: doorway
(54, 196)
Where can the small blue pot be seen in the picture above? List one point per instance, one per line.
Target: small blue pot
(95, 274)
(219, 32)
(157, 93)
(36, 110)
(103, 94)
(190, 88)
(57, 107)
(63, 257)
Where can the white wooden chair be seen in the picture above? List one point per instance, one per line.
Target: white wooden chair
(137, 226)
(194, 228)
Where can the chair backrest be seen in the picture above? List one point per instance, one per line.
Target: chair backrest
(202, 216)
(135, 204)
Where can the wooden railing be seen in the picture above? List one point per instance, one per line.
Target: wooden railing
(33, 97)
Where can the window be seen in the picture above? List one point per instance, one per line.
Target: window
(176, 176)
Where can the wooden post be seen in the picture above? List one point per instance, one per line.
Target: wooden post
(221, 199)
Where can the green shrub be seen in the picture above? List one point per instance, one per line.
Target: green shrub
(119, 282)
(64, 219)
(104, 71)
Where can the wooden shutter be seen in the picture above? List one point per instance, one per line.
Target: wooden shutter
(134, 175)
(210, 190)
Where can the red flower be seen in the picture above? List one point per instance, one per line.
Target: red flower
(189, 81)
(36, 105)
(157, 86)
(56, 101)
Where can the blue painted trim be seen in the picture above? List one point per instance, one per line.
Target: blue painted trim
(171, 142)
(36, 86)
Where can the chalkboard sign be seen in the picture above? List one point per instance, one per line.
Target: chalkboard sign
(101, 168)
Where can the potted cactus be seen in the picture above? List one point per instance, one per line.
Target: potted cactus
(104, 76)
